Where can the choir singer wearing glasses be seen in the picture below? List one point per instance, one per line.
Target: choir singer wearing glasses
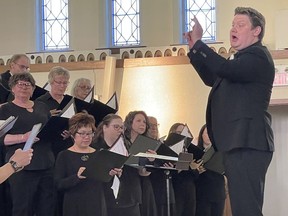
(83, 196)
(32, 188)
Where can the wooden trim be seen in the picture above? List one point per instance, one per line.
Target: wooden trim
(85, 65)
(129, 63)
(156, 61)
(279, 54)
(278, 102)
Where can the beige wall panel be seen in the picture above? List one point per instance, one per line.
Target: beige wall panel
(170, 93)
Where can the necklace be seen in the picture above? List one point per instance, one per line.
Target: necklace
(85, 156)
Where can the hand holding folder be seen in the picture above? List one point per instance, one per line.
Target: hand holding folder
(32, 136)
(142, 144)
(181, 162)
(52, 130)
(99, 165)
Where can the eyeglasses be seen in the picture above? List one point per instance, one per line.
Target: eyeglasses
(154, 125)
(83, 134)
(23, 84)
(118, 127)
(60, 83)
(23, 66)
(85, 88)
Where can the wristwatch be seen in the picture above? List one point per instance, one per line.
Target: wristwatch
(15, 166)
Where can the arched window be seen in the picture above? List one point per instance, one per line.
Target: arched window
(204, 10)
(125, 22)
(55, 25)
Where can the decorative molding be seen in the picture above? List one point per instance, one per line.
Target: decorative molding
(177, 58)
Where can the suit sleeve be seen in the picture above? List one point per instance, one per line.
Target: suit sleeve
(250, 66)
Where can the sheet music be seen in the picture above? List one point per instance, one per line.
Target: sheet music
(90, 96)
(31, 138)
(3, 123)
(113, 102)
(178, 147)
(156, 156)
(119, 147)
(186, 132)
(47, 86)
(115, 186)
(69, 110)
(7, 125)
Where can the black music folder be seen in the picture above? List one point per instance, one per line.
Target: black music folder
(52, 130)
(166, 150)
(196, 151)
(7, 125)
(208, 153)
(38, 91)
(142, 144)
(181, 162)
(99, 165)
(67, 99)
(215, 163)
(173, 138)
(5, 93)
(96, 108)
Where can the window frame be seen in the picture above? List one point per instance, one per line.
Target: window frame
(185, 18)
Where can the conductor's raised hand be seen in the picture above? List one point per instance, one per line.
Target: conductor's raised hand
(196, 34)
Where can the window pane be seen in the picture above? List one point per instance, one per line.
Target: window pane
(126, 29)
(204, 10)
(55, 24)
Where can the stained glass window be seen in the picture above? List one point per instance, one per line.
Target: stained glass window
(125, 22)
(55, 26)
(204, 10)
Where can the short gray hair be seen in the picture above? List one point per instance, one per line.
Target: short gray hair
(77, 82)
(56, 71)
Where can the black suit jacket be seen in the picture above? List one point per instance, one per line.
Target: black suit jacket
(236, 113)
